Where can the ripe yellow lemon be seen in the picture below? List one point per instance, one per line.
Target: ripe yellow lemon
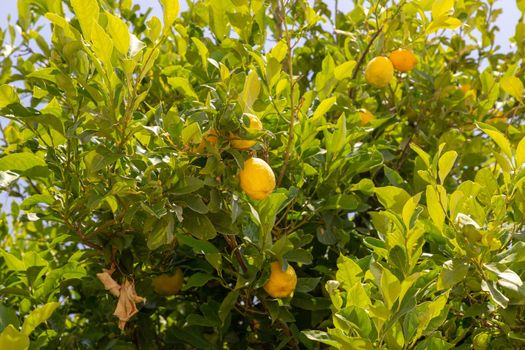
(238, 143)
(365, 116)
(379, 71)
(257, 178)
(403, 60)
(281, 284)
(166, 284)
(210, 137)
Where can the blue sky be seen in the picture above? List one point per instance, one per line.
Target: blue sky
(507, 21)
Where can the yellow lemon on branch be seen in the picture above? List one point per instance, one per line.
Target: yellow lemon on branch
(257, 178)
(281, 284)
(167, 284)
(238, 143)
(403, 60)
(379, 71)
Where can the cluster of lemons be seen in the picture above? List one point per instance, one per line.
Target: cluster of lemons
(256, 177)
(257, 180)
(380, 71)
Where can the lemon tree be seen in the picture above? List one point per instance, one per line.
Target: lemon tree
(288, 174)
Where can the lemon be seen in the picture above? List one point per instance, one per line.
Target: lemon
(257, 178)
(238, 143)
(210, 137)
(403, 60)
(365, 116)
(379, 71)
(281, 284)
(166, 284)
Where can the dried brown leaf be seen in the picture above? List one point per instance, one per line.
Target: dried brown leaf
(127, 301)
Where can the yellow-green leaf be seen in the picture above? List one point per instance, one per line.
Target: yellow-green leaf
(513, 86)
(324, 107)
(183, 85)
(446, 162)
(12, 339)
(498, 138)
(252, 87)
(87, 12)
(425, 157)
(203, 51)
(344, 70)
(409, 208)
(443, 22)
(441, 7)
(171, 10)
(102, 44)
(390, 288)
(37, 316)
(520, 153)
(8, 95)
(119, 32)
(434, 207)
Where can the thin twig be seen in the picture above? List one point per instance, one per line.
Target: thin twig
(232, 242)
(292, 108)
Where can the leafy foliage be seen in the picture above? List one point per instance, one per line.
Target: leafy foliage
(405, 232)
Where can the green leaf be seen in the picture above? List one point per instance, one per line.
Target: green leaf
(425, 157)
(391, 197)
(441, 7)
(498, 138)
(495, 294)
(199, 247)
(199, 225)
(87, 12)
(171, 10)
(342, 202)
(520, 153)
(203, 51)
(514, 254)
(513, 86)
(339, 136)
(102, 45)
(182, 84)
(197, 280)
(8, 96)
(219, 19)
(322, 337)
(12, 339)
(250, 92)
(453, 272)
(35, 199)
(434, 206)
(227, 304)
(12, 262)
(119, 33)
(390, 288)
(446, 162)
(443, 22)
(307, 284)
(348, 272)
(37, 316)
(344, 70)
(6, 178)
(409, 208)
(324, 107)
(8, 316)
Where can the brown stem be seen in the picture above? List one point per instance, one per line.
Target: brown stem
(362, 59)
(232, 242)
